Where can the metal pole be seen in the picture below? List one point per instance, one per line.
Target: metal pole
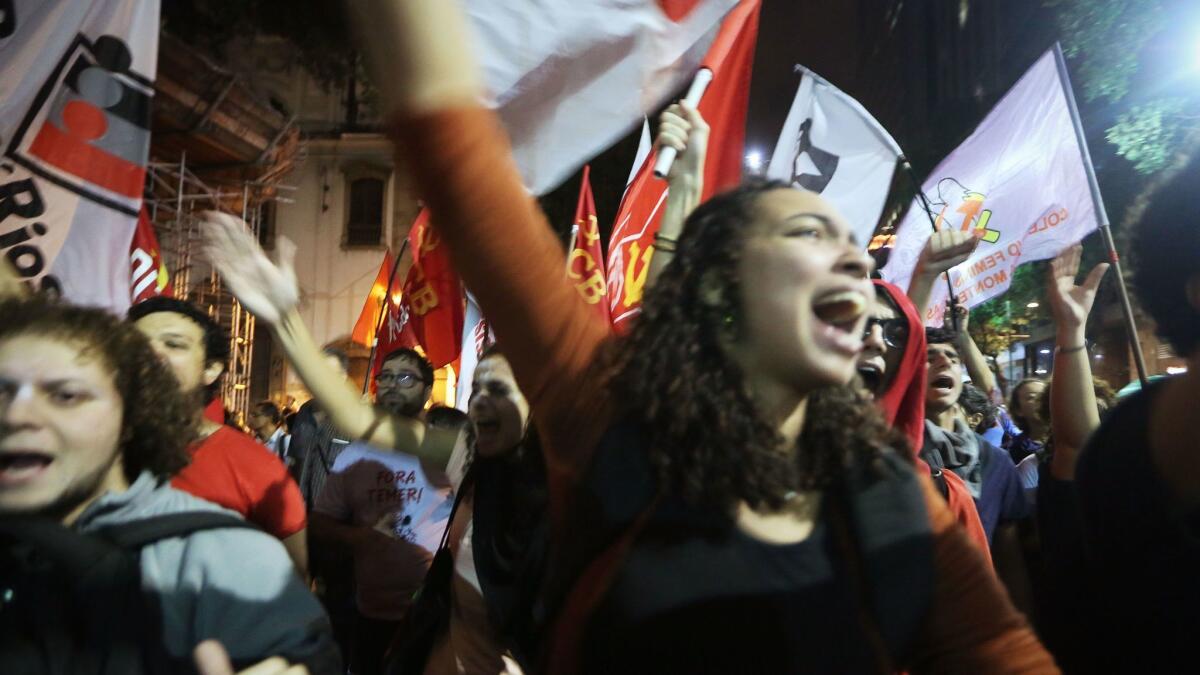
(382, 317)
(181, 278)
(951, 303)
(1101, 214)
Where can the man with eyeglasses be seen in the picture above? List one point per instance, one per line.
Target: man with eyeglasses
(387, 510)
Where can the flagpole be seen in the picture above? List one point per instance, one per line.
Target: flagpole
(1101, 214)
(382, 317)
(951, 303)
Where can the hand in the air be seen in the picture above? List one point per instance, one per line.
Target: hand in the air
(268, 290)
(945, 249)
(681, 127)
(1071, 304)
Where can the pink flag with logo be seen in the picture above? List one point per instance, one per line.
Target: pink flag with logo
(1019, 180)
(76, 81)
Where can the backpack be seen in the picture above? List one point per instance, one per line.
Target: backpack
(72, 603)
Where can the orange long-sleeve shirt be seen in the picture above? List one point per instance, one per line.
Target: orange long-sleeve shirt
(509, 257)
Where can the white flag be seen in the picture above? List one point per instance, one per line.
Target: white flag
(570, 77)
(475, 338)
(831, 145)
(76, 81)
(1019, 180)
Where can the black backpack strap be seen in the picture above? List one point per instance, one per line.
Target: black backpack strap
(77, 554)
(138, 533)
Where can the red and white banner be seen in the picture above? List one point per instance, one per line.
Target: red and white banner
(570, 77)
(724, 108)
(148, 275)
(585, 262)
(433, 296)
(76, 82)
(1018, 181)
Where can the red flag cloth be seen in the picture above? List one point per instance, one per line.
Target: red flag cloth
(585, 264)
(368, 318)
(433, 295)
(730, 58)
(147, 273)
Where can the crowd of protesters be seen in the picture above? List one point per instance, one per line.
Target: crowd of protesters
(779, 469)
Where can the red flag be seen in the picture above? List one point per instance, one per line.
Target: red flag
(433, 295)
(730, 58)
(368, 318)
(585, 264)
(147, 274)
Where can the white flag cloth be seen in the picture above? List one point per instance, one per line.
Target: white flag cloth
(570, 77)
(1019, 179)
(475, 338)
(76, 80)
(831, 145)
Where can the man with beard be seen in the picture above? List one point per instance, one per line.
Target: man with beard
(228, 467)
(388, 510)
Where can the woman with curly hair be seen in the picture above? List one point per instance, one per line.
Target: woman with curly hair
(748, 511)
(92, 428)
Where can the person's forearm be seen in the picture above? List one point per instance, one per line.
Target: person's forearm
(350, 414)
(920, 289)
(1073, 413)
(297, 548)
(682, 198)
(976, 364)
(418, 52)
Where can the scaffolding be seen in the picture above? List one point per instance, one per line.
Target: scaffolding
(175, 196)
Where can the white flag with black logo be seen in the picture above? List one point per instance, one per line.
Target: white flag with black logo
(832, 146)
(76, 81)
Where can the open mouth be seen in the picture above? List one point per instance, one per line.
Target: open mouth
(871, 376)
(943, 384)
(17, 467)
(840, 313)
(487, 426)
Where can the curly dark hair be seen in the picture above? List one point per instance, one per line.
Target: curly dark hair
(1166, 254)
(157, 423)
(709, 443)
(974, 401)
(941, 336)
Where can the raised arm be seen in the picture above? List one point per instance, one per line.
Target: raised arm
(1073, 413)
(683, 128)
(973, 359)
(271, 293)
(945, 249)
(499, 241)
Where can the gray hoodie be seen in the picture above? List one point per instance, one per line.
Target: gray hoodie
(234, 585)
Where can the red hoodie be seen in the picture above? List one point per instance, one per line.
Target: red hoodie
(903, 405)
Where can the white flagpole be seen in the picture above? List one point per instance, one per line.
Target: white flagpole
(666, 157)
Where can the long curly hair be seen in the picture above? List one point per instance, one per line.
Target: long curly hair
(157, 423)
(709, 443)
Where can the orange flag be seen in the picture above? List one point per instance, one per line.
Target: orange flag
(730, 58)
(368, 318)
(585, 264)
(433, 295)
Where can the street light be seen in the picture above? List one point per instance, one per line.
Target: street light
(1033, 305)
(754, 160)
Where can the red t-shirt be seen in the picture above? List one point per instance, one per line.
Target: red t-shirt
(231, 469)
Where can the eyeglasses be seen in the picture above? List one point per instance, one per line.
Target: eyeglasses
(404, 380)
(895, 331)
